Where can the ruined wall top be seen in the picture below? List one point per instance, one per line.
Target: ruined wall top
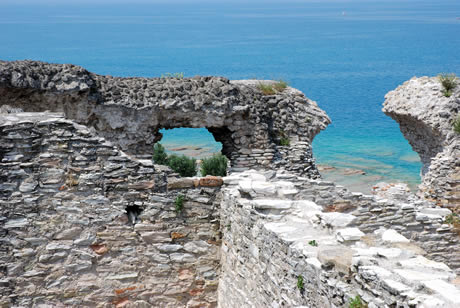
(131, 111)
(426, 119)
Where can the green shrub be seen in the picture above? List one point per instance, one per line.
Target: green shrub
(182, 164)
(179, 203)
(159, 154)
(357, 302)
(456, 124)
(449, 82)
(214, 165)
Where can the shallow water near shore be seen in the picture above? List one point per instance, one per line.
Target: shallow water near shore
(346, 55)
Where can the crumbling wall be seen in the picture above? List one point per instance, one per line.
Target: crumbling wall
(281, 250)
(83, 224)
(426, 118)
(131, 111)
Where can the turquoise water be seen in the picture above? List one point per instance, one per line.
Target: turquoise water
(344, 54)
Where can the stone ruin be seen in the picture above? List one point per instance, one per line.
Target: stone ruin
(87, 220)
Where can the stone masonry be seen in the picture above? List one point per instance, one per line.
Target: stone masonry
(274, 236)
(85, 225)
(425, 117)
(131, 111)
(86, 222)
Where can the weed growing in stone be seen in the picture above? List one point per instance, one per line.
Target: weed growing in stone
(267, 89)
(179, 203)
(449, 82)
(456, 124)
(214, 165)
(272, 88)
(280, 85)
(357, 302)
(313, 243)
(173, 75)
(300, 284)
(159, 154)
(452, 219)
(284, 140)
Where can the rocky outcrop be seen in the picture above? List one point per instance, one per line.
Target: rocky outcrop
(425, 117)
(131, 111)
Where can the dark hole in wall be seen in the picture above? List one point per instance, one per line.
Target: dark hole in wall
(133, 212)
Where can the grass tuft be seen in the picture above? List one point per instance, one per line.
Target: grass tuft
(272, 88)
(449, 82)
(456, 124)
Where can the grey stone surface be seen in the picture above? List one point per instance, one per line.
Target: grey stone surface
(65, 236)
(425, 117)
(265, 253)
(131, 111)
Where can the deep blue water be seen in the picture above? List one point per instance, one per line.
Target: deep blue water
(343, 54)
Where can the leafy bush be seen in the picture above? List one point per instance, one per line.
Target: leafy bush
(214, 165)
(159, 154)
(182, 164)
(179, 203)
(456, 124)
(449, 82)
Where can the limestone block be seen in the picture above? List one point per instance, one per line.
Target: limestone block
(272, 204)
(348, 234)
(338, 256)
(179, 183)
(336, 220)
(392, 236)
(450, 293)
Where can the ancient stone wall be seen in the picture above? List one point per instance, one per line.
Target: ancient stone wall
(280, 250)
(84, 225)
(426, 118)
(131, 111)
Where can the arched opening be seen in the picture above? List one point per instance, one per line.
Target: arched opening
(197, 143)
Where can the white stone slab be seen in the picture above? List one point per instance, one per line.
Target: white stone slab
(391, 236)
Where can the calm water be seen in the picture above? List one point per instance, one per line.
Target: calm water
(344, 54)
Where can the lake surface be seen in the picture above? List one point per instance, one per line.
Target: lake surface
(346, 55)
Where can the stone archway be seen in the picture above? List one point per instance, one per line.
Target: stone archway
(131, 111)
